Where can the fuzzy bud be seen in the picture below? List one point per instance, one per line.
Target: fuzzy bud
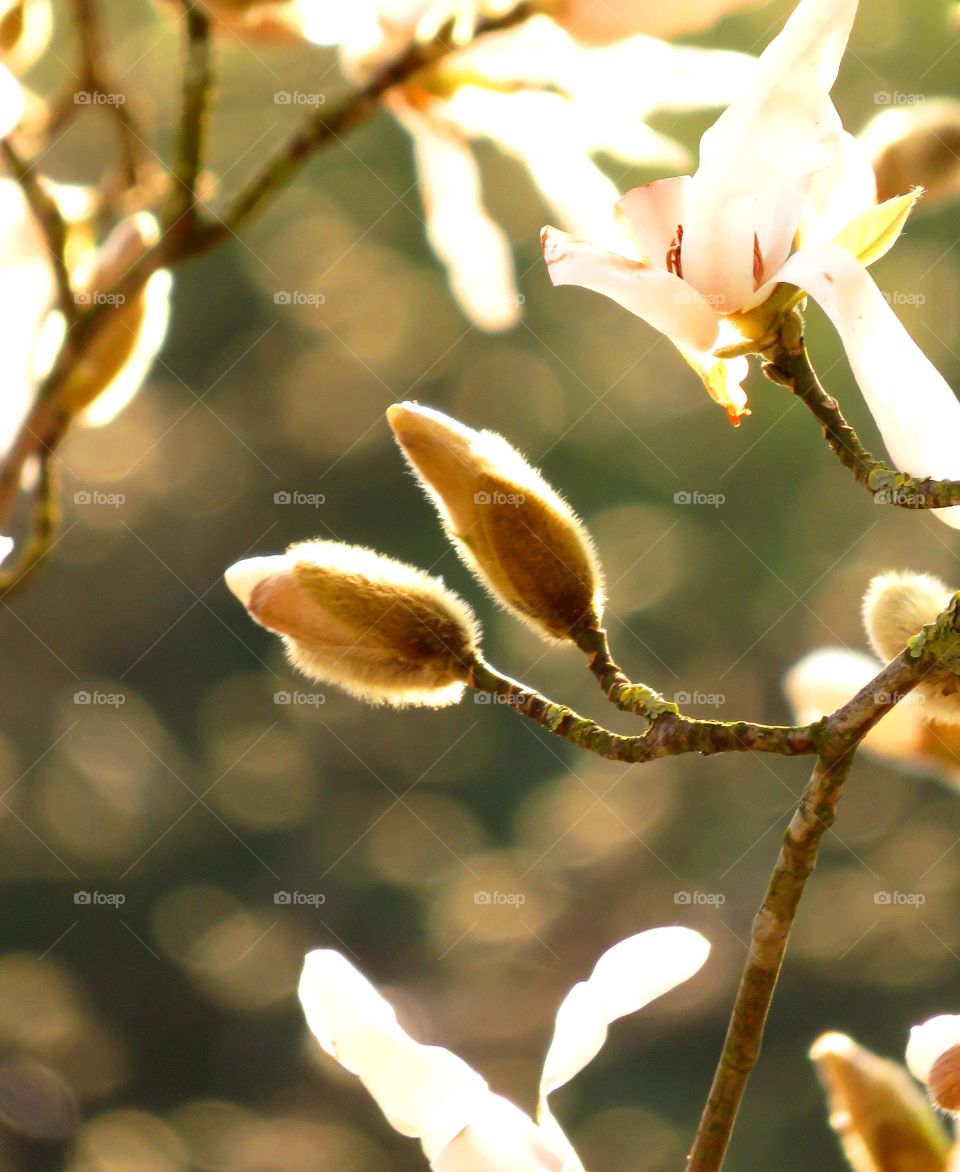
(511, 529)
(917, 145)
(895, 608)
(883, 1123)
(25, 28)
(378, 628)
(933, 1056)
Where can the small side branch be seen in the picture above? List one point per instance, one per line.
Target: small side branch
(194, 102)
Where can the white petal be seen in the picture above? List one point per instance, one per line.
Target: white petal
(474, 249)
(929, 1040)
(11, 101)
(779, 132)
(627, 977)
(242, 577)
(916, 411)
(654, 212)
(666, 302)
(6, 547)
(424, 1092)
(840, 192)
(502, 1139)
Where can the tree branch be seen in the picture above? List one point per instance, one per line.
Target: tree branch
(191, 134)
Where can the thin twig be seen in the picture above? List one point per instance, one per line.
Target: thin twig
(45, 521)
(99, 85)
(789, 364)
(191, 134)
(50, 222)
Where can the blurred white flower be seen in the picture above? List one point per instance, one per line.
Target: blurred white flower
(25, 29)
(429, 1094)
(538, 95)
(6, 548)
(32, 328)
(777, 167)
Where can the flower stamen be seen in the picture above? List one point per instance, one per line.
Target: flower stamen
(674, 262)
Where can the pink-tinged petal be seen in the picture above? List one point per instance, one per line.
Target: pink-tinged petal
(653, 213)
(718, 246)
(666, 302)
(470, 244)
(917, 413)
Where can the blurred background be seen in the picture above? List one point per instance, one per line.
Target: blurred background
(183, 817)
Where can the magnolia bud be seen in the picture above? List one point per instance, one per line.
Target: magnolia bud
(25, 27)
(895, 608)
(381, 630)
(933, 1055)
(511, 529)
(917, 145)
(884, 1124)
(112, 368)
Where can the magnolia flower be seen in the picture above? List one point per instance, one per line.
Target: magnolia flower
(918, 144)
(32, 329)
(430, 1094)
(712, 248)
(541, 98)
(933, 1056)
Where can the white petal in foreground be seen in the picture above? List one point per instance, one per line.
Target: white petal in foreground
(917, 413)
(928, 1041)
(660, 298)
(626, 978)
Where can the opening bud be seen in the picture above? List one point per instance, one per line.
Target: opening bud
(933, 1056)
(378, 628)
(882, 1120)
(516, 534)
(895, 608)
